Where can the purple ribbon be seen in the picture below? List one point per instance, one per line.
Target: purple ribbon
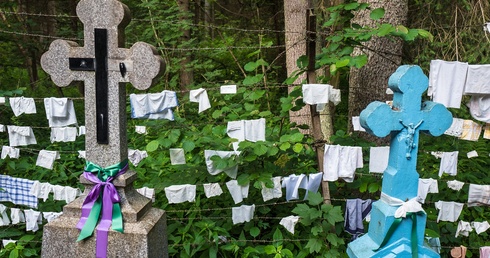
(92, 207)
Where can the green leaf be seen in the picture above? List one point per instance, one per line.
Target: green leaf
(333, 69)
(256, 94)
(216, 114)
(261, 62)
(314, 198)
(14, 253)
(385, 29)
(402, 29)
(174, 135)
(377, 13)
(152, 146)
(332, 239)
(254, 232)
(373, 187)
(265, 113)
(302, 62)
(243, 179)
(188, 146)
(278, 237)
(315, 245)
(315, 230)
(251, 66)
(27, 238)
(270, 249)
(260, 149)
(284, 146)
(426, 34)
(342, 63)
(351, 6)
(297, 137)
(431, 233)
(298, 147)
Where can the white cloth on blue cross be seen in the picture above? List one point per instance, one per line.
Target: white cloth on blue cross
(60, 112)
(200, 96)
(21, 105)
(17, 191)
(12, 152)
(21, 135)
(153, 105)
(244, 213)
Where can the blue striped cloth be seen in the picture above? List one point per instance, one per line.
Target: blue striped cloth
(16, 190)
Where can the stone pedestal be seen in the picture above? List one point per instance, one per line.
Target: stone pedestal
(144, 227)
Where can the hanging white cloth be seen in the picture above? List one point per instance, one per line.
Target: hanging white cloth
(212, 190)
(136, 156)
(274, 192)
(50, 216)
(456, 128)
(231, 171)
(200, 96)
(478, 195)
(5, 221)
(21, 135)
(153, 105)
(293, 183)
(449, 163)
(426, 185)
(238, 192)
(140, 129)
(480, 107)
(17, 216)
(32, 219)
(177, 156)
(289, 222)
(455, 185)
(480, 227)
(464, 229)
(41, 190)
(244, 213)
(378, 159)
(448, 211)
(228, 89)
(477, 80)
(46, 158)
(447, 81)
(60, 112)
(12, 152)
(63, 134)
(147, 192)
(180, 193)
(21, 105)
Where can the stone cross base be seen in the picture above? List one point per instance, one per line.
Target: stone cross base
(144, 227)
(399, 245)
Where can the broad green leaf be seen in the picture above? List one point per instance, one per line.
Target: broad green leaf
(265, 113)
(298, 147)
(270, 249)
(333, 69)
(426, 34)
(284, 146)
(315, 198)
(174, 135)
(254, 232)
(217, 113)
(152, 146)
(272, 151)
(243, 179)
(260, 149)
(351, 6)
(14, 253)
(332, 239)
(402, 29)
(261, 62)
(315, 230)
(315, 245)
(188, 146)
(373, 187)
(431, 233)
(251, 66)
(377, 13)
(385, 29)
(297, 137)
(342, 63)
(302, 62)
(277, 237)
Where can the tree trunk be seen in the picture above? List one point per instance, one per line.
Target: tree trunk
(295, 27)
(384, 55)
(186, 73)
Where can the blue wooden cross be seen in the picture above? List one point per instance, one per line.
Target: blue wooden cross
(404, 121)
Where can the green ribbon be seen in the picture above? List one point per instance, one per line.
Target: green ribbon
(103, 192)
(394, 226)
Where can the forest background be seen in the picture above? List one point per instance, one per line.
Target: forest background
(250, 43)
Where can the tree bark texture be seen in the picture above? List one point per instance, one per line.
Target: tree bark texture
(295, 27)
(384, 55)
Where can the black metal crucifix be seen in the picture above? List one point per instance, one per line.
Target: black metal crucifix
(99, 65)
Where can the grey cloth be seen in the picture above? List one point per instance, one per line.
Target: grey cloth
(355, 211)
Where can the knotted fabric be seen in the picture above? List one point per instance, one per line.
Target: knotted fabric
(102, 198)
(410, 209)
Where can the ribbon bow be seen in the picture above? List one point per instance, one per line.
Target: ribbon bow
(103, 196)
(408, 209)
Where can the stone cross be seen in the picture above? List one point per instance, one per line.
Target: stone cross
(104, 65)
(404, 121)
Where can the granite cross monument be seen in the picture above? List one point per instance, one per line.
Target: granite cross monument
(397, 228)
(105, 67)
